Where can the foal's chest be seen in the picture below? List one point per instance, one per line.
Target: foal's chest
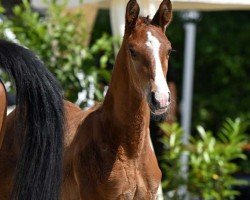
(132, 180)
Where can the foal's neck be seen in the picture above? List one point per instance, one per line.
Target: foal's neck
(125, 107)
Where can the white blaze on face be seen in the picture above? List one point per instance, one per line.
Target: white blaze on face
(162, 92)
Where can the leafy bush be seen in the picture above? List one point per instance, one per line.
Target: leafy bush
(221, 79)
(211, 161)
(173, 149)
(59, 39)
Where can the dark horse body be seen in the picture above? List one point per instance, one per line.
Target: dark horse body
(107, 152)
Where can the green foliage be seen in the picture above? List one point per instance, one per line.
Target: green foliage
(221, 78)
(211, 161)
(60, 41)
(171, 158)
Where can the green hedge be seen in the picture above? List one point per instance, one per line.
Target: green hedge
(59, 39)
(211, 163)
(222, 66)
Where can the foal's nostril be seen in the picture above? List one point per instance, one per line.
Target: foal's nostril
(154, 101)
(169, 97)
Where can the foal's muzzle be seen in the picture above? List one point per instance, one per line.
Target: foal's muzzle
(159, 102)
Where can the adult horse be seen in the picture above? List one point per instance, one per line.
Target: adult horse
(32, 135)
(107, 151)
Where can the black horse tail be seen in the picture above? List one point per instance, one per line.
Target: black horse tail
(40, 109)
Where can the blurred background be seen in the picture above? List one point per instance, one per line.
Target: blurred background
(204, 147)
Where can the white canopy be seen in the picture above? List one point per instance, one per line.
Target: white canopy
(205, 5)
(211, 5)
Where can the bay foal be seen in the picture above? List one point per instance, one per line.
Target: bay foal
(110, 157)
(107, 151)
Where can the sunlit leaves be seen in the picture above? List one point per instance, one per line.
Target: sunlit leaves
(59, 38)
(211, 160)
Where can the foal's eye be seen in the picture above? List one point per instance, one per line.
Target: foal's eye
(171, 51)
(132, 53)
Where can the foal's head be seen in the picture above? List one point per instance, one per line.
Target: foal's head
(148, 51)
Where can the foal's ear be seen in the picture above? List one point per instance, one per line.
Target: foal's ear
(164, 15)
(132, 13)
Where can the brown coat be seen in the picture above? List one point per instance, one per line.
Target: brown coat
(107, 152)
